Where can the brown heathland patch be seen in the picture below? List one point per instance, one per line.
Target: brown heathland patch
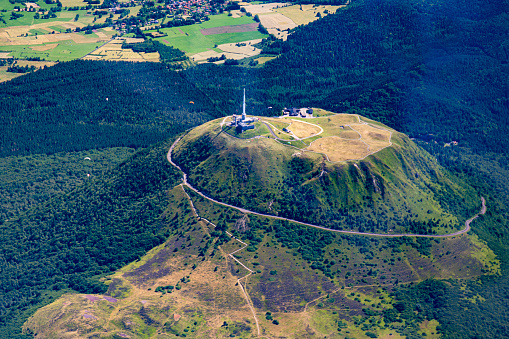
(337, 120)
(304, 130)
(338, 149)
(376, 138)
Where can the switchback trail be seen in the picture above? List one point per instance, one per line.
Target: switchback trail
(245, 211)
(244, 291)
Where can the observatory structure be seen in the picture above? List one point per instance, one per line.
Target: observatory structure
(243, 123)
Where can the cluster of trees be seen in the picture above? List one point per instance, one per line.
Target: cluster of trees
(67, 107)
(20, 69)
(167, 54)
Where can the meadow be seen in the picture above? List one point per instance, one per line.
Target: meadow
(191, 40)
(65, 51)
(113, 51)
(304, 14)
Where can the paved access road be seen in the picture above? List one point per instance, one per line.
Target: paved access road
(186, 183)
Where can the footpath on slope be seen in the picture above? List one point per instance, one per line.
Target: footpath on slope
(244, 291)
(245, 211)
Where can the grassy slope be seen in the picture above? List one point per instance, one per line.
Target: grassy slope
(381, 193)
(302, 299)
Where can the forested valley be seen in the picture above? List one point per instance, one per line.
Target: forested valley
(435, 70)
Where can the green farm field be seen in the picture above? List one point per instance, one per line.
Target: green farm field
(5, 4)
(225, 20)
(190, 40)
(65, 51)
(28, 19)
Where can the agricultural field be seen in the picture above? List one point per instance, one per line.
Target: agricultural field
(208, 35)
(64, 51)
(113, 51)
(235, 51)
(304, 14)
(51, 41)
(279, 18)
(73, 3)
(233, 36)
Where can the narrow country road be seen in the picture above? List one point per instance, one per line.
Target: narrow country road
(245, 211)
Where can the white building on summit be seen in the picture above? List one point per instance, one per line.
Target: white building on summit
(243, 123)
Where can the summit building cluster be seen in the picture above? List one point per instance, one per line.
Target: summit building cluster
(243, 123)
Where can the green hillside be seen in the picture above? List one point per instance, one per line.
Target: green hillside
(399, 189)
(221, 273)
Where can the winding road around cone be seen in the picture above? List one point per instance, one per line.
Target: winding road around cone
(245, 211)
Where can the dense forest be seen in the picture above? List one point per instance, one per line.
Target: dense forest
(70, 241)
(82, 105)
(26, 181)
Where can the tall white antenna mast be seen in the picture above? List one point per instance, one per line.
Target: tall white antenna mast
(244, 106)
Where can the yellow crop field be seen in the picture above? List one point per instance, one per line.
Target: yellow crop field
(277, 21)
(73, 3)
(304, 14)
